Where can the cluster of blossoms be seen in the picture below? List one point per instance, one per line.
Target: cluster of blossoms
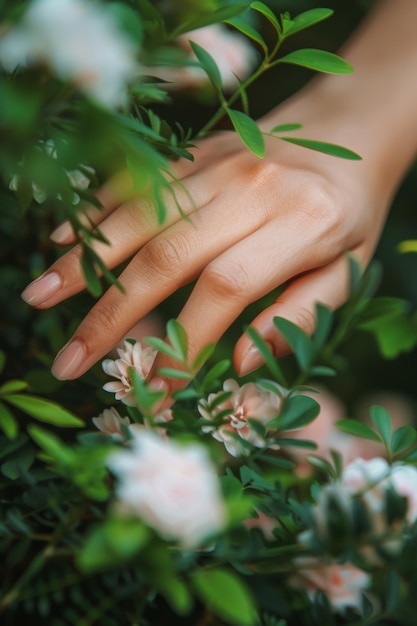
(80, 42)
(173, 488)
(372, 503)
(246, 403)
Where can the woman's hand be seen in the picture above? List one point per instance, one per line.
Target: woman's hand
(253, 226)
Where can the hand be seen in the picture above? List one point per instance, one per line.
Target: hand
(254, 225)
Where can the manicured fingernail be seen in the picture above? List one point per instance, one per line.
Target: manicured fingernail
(158, 384)
(252, 359)
(42, 288)
(62, 233)
(69, 360)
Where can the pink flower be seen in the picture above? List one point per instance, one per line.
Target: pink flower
(172, 487)
(232, 53)
(248, 402)
(133, 356)
(343, 583)
(110, 423)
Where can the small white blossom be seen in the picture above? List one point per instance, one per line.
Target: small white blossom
(81, 43)
(403, 479)
(133, 356)
(110, 423)
(247, 402)
(343, 583)
(172, 487)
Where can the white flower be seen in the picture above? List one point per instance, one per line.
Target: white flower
(403, 479)
(80, 41)
(232, 53)
(110, 423)
(247, 402)
(343, 583)
(133, 356)
(172, 487)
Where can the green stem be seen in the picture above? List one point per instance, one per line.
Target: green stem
(225, 104)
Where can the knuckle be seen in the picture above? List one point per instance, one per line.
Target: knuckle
(165, 256)
(103, 318)
(321, 209)
(229, 281)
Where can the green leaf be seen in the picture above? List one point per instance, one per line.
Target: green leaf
(382, 307)
(90, 274)
(114, 542)
(171, 372)
(318, 60)
(226, 595)
(162, 346)
(51, 444)
(382, 422)
(12, 386)
(8, 423)
(223, 14)
(215, 372)
(266, 12)
(177, 595)
(2, 360)
(282, 128)
(300, 343)
(322, 370)
(248, 131)
(324, 321)
(307, 19)
(297, 411)
(208, 64)
(352, 427)
(394, 333)
(324, 147)
(178, 337)
(145, 397)
(248, 30)
(45, 411)
(402, 438)
(409, 245)
(203, 356)
(265, 352)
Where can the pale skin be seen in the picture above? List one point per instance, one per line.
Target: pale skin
(257, 224)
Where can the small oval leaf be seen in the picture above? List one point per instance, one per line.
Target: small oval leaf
(249, 132)
(318, 60)
(45, 411)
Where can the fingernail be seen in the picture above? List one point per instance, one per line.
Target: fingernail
(158, 384)
(62, 233)
(252, 359)
(42, 288)
(69, 360)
